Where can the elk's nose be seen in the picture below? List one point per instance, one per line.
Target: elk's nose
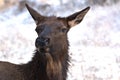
(42, 41)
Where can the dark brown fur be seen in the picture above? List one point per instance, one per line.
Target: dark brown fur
(51, 59)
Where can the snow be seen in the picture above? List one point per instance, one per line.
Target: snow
(94, 43)
(99, 62)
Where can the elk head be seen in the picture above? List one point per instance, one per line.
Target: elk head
(52, 31)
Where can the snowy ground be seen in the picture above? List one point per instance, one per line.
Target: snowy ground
(94, 44)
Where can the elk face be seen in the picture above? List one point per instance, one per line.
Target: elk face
(52, 31)
(52, 34)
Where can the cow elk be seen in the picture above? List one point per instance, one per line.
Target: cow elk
(51, 58)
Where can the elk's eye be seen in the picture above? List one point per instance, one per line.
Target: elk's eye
(38, 30)
(64, 30)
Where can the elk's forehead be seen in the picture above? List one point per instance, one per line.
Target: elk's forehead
(52, 23)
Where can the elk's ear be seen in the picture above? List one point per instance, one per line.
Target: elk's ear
(77, 17)
(35, 15)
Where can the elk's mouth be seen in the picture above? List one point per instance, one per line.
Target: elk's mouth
(42, 46)
(43, 49)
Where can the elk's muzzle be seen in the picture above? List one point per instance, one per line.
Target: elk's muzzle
(42, 42)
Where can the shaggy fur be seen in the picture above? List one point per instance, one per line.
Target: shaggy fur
(51, 58)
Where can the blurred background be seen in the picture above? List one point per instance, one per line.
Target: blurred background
(94, 43)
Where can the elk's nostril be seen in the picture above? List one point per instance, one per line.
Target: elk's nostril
(47, 40)
(37, 40)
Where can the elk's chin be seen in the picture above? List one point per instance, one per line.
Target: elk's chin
(43, 49)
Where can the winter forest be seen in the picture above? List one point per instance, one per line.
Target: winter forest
(94, 43)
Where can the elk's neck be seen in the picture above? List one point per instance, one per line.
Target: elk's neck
(35, 69)
(48, 66)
